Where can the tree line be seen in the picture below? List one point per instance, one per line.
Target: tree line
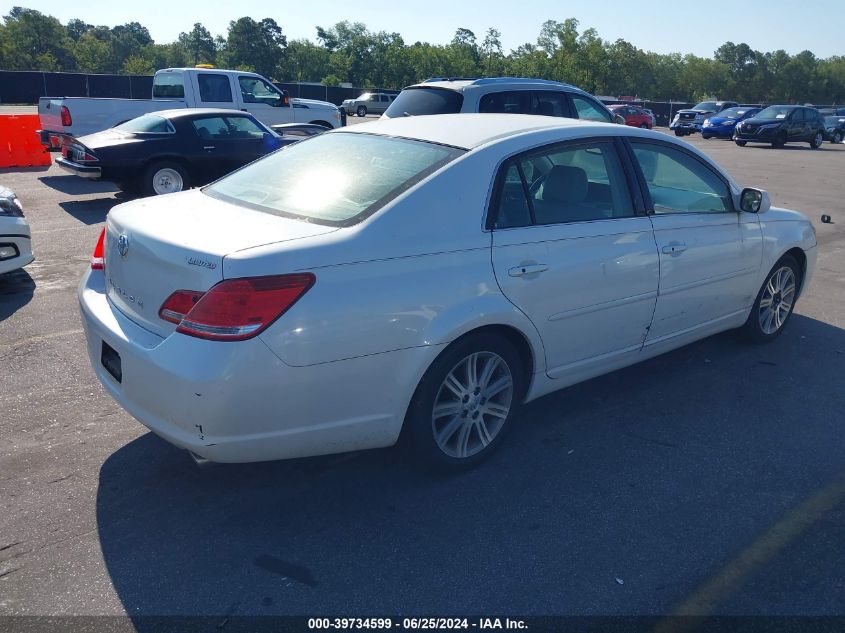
(349, 52)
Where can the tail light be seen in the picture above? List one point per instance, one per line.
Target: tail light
(235, 309)
(98, 258)
(67, 120)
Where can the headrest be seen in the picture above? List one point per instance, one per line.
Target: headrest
(565, 184)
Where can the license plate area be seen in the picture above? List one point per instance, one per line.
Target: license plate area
(110, 359)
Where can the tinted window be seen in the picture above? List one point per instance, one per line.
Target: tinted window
(588, 109)
(299, 182)
(775, 112)
(679, 183)
(509, 102)
(550, 103)
(706, 105)
(566, 184)
(147, 124)
(416, 101)
(168, 86)
(214, 88)
(227, 128)
(797, 115)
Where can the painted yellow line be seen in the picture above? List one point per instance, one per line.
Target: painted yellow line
(733, 576)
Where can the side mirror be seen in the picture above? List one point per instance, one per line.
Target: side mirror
(754, 200)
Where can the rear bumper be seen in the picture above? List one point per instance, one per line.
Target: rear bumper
(238, 402)
(83, 171)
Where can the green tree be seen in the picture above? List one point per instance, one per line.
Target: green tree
(199, 45)
(259, 45)
(31, 39)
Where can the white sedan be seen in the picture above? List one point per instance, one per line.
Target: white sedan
(476, 262)
(15, 236)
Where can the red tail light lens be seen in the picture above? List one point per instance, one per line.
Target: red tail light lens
(177, 305)
(67, 120)
(238, 309)
(98, 259)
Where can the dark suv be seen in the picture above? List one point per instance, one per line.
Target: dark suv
(781, 124)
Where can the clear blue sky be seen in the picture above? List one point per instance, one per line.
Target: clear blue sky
(658, 26)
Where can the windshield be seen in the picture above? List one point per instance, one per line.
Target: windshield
(299, 182)
(733, 113)
(416, 101)
(775, 112)
(147, 124)
(706, 105)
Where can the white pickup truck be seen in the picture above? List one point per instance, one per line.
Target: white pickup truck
(183, 88)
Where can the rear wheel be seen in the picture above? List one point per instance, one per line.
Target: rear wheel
(775, 302)
(466, 402)
(165, 177)
(740, 143)
(837, 137)
(817, 141)
(644, 126)
(361, 111)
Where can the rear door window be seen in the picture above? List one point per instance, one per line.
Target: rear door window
(550, 103)
(425, 100)
(507, 102)
(589, 110)
(214, 88)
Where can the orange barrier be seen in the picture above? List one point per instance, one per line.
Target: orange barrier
(19, 145)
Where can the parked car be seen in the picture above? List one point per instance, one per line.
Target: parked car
(297, 308)
(782, 124)
(507, 95)
(15, 236)
(634, 116)
(173, 150)
(690, 121)
(368, 103)
(652, 115)
(722, 125)
(834, 128)
(183, 88)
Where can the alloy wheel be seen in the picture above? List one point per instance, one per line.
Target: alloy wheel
(472, 404)
(777, 299)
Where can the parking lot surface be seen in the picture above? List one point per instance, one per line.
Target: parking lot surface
(708, 480)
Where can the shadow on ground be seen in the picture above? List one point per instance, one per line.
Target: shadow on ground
(16, 290)
(621, 495)
(76, 186)
(93, 211)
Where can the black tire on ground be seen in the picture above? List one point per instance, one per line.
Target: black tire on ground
(361, 111)
(817, 141)
(644, 126)
(837, 137)
(157, 172)
(740, 143)
(705, 136)
(780, 140)
(418, 433)
(753, 328)
(679, 132)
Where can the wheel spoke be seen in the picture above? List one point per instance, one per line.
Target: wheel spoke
(766, 320)
(483, 431)
(496, 410)
(497, 387)
(488, 370)
(454, 385)
(472, 371)
(449, 430)
(445, 409)
(463, 440)
(765, 301)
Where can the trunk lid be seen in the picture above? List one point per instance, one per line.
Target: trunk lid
(158, 245)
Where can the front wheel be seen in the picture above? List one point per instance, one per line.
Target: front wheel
(465, 403)
(740, 143)
(361, 111)
(165, 177)
(817, 141)
(780, 140)
(775, 302)
(679, 133)
(705, 136)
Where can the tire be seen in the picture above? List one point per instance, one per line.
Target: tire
(466, 432)
(165, 177)
(361, 111)
(705, 136)
(775, 302)
(643, 126)
(837, 137)
(817, 141)
(741, 143)
(780, 140)
(679, 132)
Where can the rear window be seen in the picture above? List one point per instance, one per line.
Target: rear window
(168, 86)
(147, 124)
(418, 101)
(299, 182)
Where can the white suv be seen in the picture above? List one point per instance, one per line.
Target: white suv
(499, 95)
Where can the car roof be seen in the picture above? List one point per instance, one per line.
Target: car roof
(470, 130)
(189, 112)
(526, 83)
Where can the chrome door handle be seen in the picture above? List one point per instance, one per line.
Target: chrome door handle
(674, 248)
(519, 271)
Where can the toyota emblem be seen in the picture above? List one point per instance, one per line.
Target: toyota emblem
(123, 245)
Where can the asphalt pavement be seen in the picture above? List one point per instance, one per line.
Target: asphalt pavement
(710, 480)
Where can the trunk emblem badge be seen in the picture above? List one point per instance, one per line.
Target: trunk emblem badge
(123, 245)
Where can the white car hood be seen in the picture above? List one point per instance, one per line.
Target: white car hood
(313, 103)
